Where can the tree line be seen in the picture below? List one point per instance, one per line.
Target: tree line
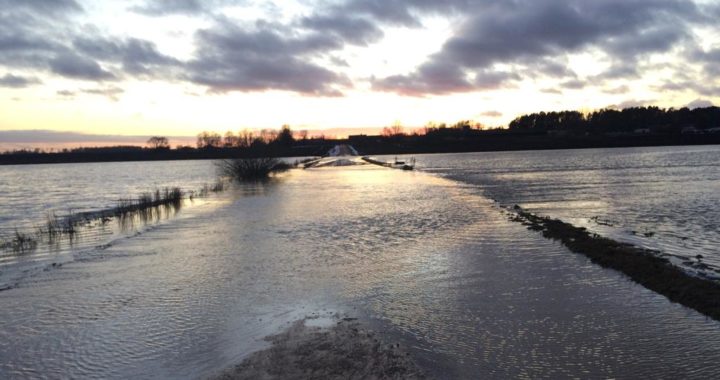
(631, 119)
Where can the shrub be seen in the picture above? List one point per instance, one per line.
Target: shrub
(251, 169)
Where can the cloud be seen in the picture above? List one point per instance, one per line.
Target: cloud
(491, 114)
(268, 57)
(699, 103)
(402, 12)
(111, 92)
(524, 32)
(44, 6)
(433, 77)
(14, 81)
(631, 103)
(169, 7)
(138, 57)
(354, 30)
(573, 84)
(71, 65)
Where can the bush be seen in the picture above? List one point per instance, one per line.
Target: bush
(251, 169)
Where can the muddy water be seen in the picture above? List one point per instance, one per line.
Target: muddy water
(430, 262)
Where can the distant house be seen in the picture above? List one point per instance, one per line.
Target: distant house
(690, 130)
(713, 130)
(642, 131)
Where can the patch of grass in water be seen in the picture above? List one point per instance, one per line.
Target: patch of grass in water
(641, 265)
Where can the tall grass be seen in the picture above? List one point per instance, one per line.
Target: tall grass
(20, 243)
(251, 169)
(127, 211)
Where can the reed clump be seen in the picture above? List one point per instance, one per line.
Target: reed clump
(251, 169)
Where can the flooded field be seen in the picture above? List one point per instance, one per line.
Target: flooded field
(429, 262)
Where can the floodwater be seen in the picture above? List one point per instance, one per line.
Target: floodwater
(430, 262)
(662, 198)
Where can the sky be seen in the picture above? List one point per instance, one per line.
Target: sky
(178, 67)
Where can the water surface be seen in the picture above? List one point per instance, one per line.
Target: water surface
(431, 262)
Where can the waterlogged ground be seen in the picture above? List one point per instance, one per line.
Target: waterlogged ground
(428, 262)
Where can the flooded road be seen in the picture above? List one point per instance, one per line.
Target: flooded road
(426, 261)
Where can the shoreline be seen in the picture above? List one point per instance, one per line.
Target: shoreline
(641, 265)
(369, 146)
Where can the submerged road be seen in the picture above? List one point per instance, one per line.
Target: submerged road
(428, 262)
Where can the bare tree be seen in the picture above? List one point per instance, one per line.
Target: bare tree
(209, 140)
(230, 140)
(158, 142)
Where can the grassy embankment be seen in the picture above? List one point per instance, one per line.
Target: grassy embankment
(642, 265)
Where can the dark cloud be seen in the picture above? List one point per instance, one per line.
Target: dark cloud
(573, 84)
(43, 6)
(494, 44)
(138, 57)
(74, 66)
(14, 81)
(168, 7)
(524, 32)
(432, 77)
(490, 80)
(231, 58)
(710, 60)
(354, 30)
(403, 12)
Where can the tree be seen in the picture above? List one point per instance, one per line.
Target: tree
(209, 140)
(158, 142)
(230, 140)
(285, 137)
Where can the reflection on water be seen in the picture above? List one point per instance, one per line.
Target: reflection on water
(430, 262)
(664, 198)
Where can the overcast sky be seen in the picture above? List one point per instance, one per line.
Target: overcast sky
(177, 67)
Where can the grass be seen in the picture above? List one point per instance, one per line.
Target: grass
(641, 265)
(145, 207)
(251, 169)
(20, 243)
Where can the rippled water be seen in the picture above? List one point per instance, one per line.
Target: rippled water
(663, 198)
(431, 262)
(29, 192)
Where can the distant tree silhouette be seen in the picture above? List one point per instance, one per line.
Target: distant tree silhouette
(285, 137)
(158, 142)
(621, 121)
(209, 140)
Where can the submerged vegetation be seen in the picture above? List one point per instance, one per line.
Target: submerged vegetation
(20, 243)
(251, 169)
(145, 207)
(641, 265)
